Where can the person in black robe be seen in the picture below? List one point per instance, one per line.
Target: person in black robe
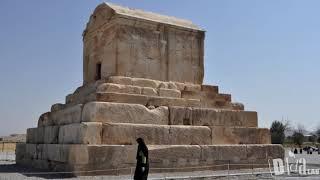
(142, 167)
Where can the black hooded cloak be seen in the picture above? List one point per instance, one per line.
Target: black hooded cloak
(142, 167)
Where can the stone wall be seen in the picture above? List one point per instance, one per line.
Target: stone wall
(140, 48)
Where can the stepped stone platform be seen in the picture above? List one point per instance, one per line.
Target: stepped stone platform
(143, 77)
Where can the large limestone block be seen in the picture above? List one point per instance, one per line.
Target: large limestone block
(68, 115)
(124, 113)
(120, 80)
(168, 101)
(167, 156)
(66, 153)
(110, 87)
(142, 82)
(212, 117)
(146, 100)
(81, 133)
(93, 156)
(20, 151)
(274, 151)
(51, 134)
(189, 135)
(35, 135)
(81, 93)
(210, 89)
(152, 134)
(264, 152)
(237, 135)
(155, 134)
(112, 156)
(122, 98)
(149, 91)
(57, 107)
(169, 93)
(226, 153)
(29, 151)
(45, 120)
(180, 115)
(32, 151)
(192, 87)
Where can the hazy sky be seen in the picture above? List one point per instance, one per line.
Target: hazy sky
(265, 53)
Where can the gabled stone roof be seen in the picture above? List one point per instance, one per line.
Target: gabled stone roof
(140, 14)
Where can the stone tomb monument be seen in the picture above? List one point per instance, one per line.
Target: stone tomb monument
(142, 77)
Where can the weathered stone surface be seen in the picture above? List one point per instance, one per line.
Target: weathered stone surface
(274, 151)
(20, 151)
(152, 134)
(237, 135)
(81, 93)
(149, 91)
(51, 134)
(110, 87)
(45, 120)
(192, 87)
(210, 89)
(66, 153)
(155, 134)
(237, 106)
(172, 85)
(67, 116)
(212, 117)
(223, 97)
(130, 47)
(93, 157)
(189, 135)
(35, 135)
(226, 153)
(167, 101)
(180, 86)
(57, 107)
(169, 93)
(107, 112)
(112, 156)
(142, 82)
(120, 80)
(174, 155)
(146, 100)
(81, 133)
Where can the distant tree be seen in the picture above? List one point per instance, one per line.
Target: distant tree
(318, 132)
(277, 132)
(312, 138)
(298, 138)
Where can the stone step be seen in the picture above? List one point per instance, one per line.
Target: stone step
(109, 112)
(208, 95)
(145, 100)
(212, 117)
(108, 133)
(155, 134)
(163, 158)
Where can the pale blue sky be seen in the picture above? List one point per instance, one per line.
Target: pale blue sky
(265, 53)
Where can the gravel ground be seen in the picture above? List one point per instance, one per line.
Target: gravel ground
(10, 171)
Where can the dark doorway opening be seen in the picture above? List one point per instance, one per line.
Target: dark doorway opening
(98, 71)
